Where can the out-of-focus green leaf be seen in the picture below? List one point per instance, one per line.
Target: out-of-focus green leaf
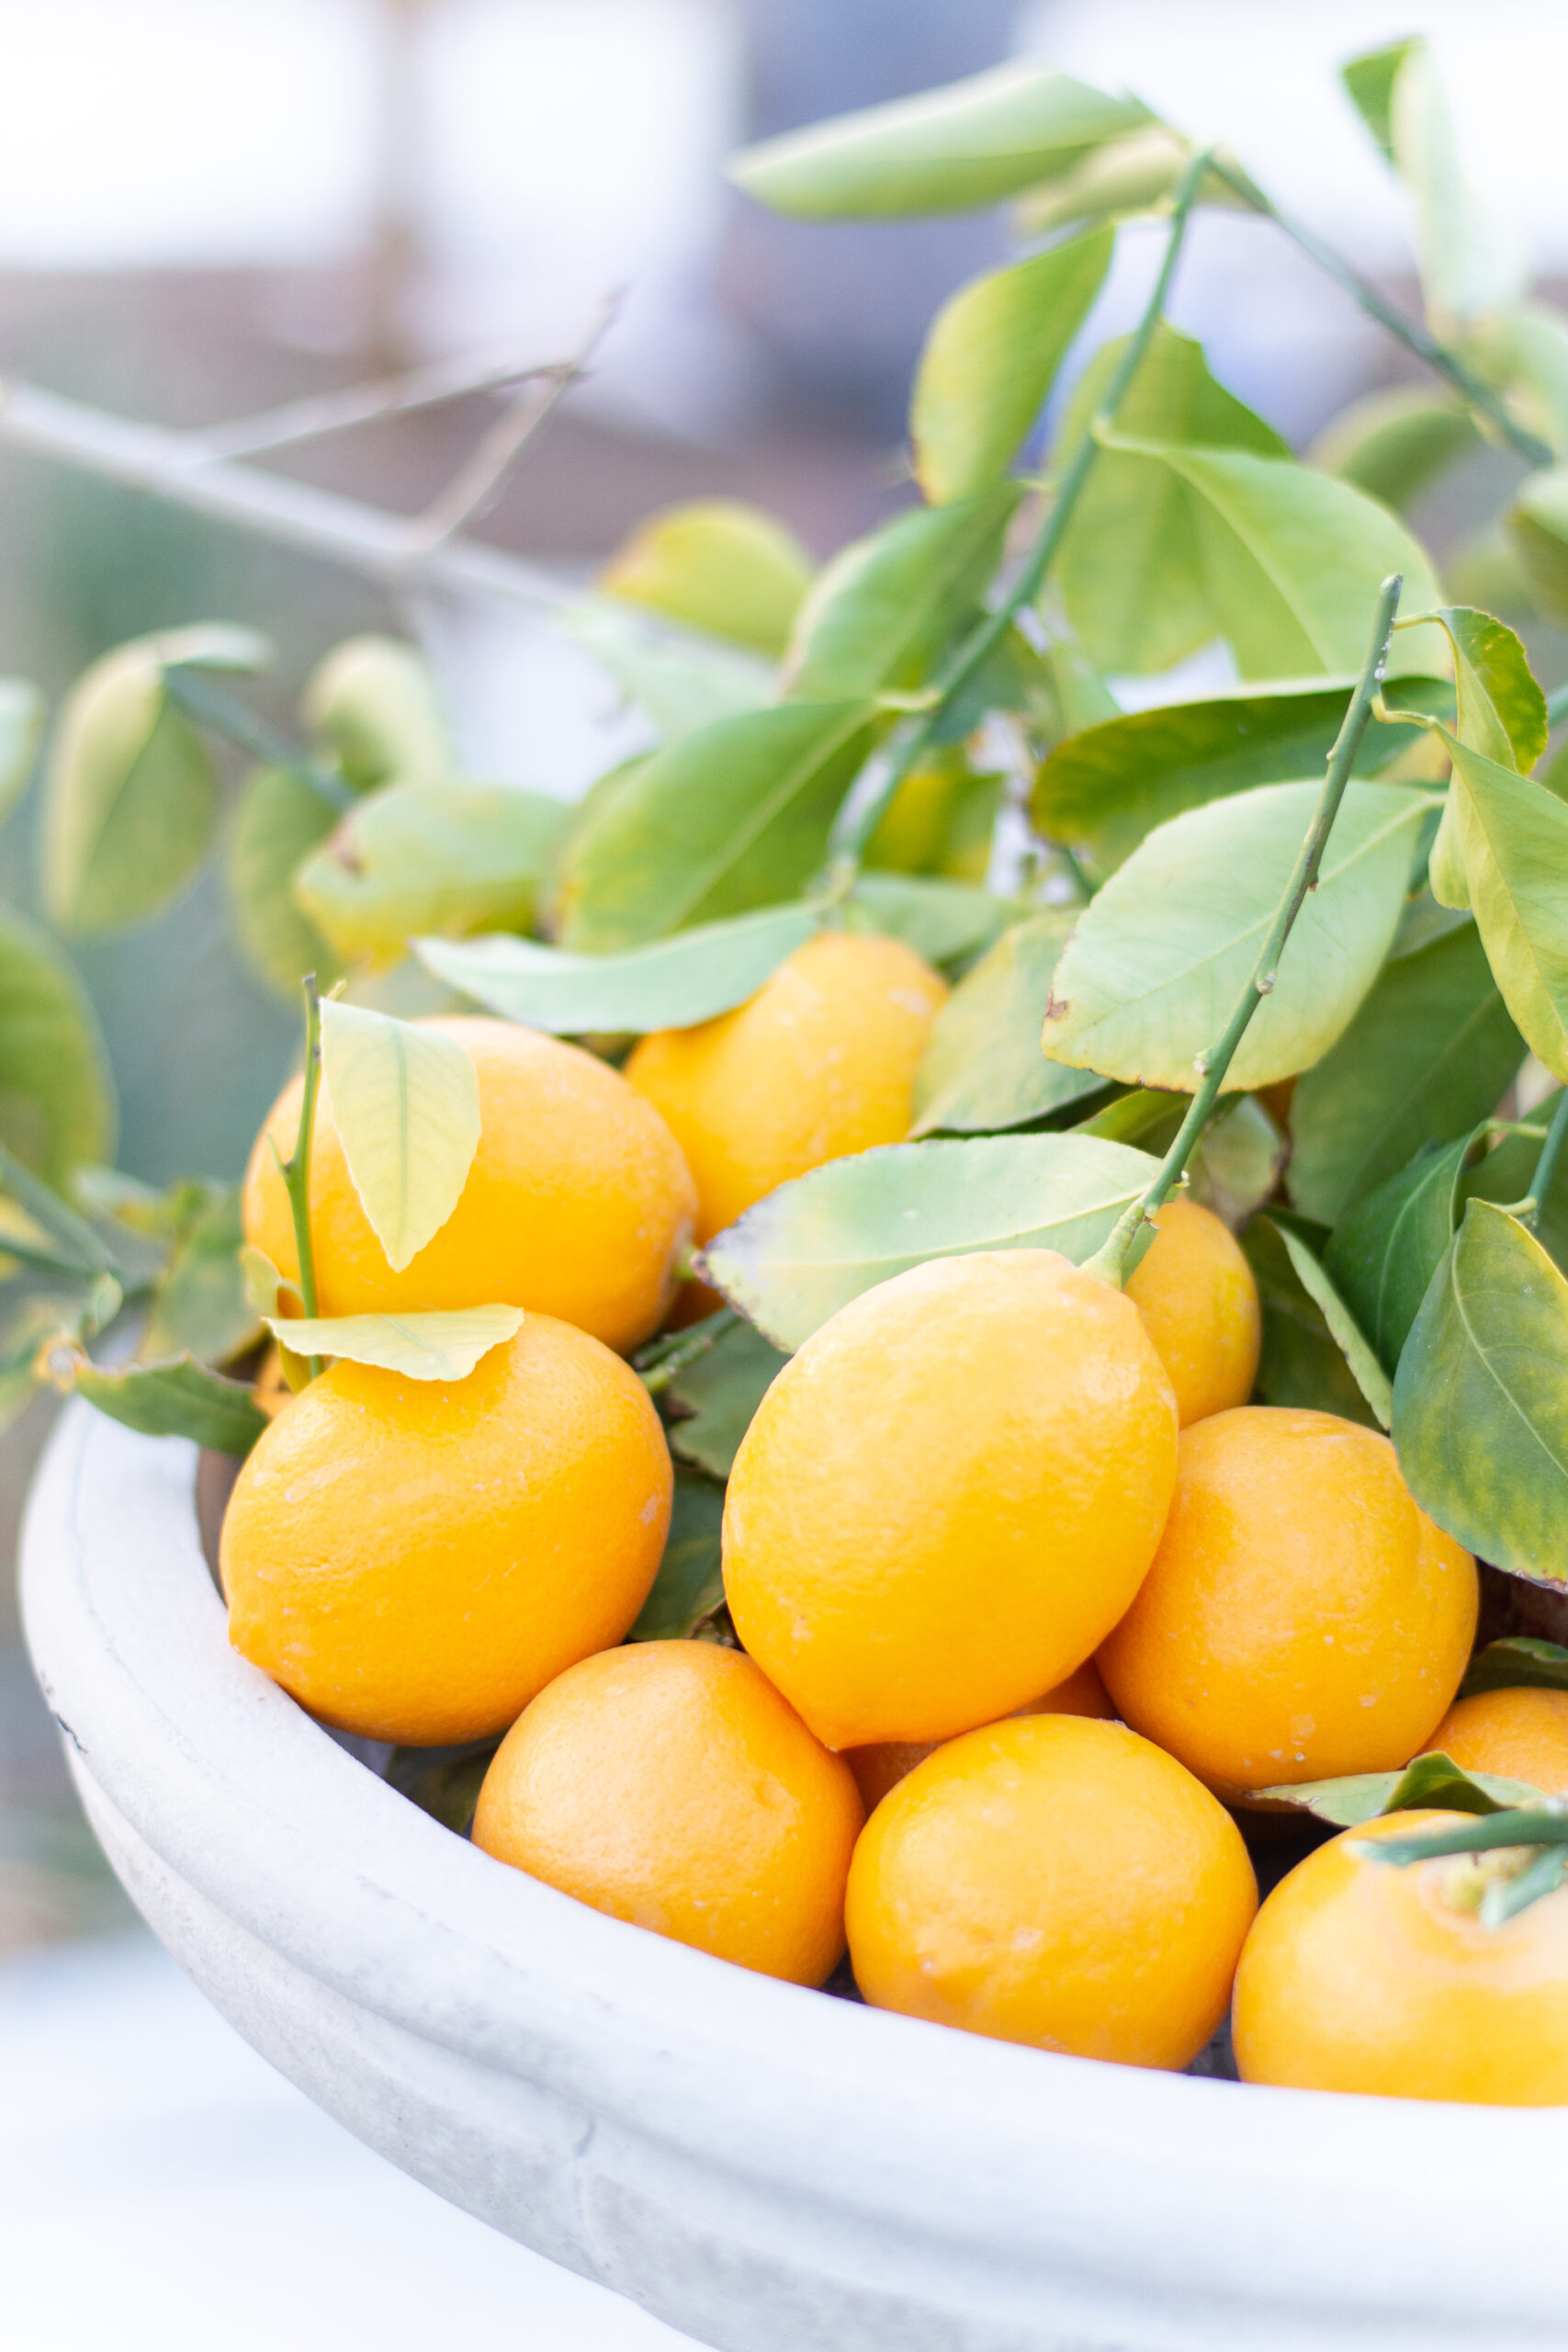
(405, 1101)
(21, 731)
(812, 1246)
(1432, 1783)
(940, 820)
(885, 609)
(715, 565)
(373, 703)
(445, 858)
(57, 1107)
(719, 1395)
(1510, 837)
(1370, 80)
(1431, 1051)
(1159, 959)
(1395, 442)
(179, 1399)
(279, 821)
(734, 817)
(973, 142)
(1236, 1166)
(1136, 174)
(1537, 524)
(682, 683)
(690, 1583)
(983, 1070)
(442, 1346)
(991, 358)
(1302, 1361)
(1524, 352)
(1519, 1662)
(1471, 268)
(201, 1307)
(943, 922)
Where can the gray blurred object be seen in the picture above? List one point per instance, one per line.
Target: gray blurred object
(839, 309)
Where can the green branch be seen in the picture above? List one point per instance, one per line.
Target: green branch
(1546, 1165)
(227, 714)
(1111, 1259)
(295, 1170)
(859, 818)
(660, 1362)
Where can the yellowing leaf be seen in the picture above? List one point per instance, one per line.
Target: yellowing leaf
(1511, 836)
(406, 1102)
(373, 702)
(716, 565)
(421, 1347)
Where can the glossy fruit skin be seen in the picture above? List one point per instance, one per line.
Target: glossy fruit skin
(1302, 1618)
(819, 1063)
(1058, 1881)
(1519, 1735)
(1195, 1292)
(1361, 1977)
(667, 1783)
(578, 1203)
(414, 1559)
(949, 1496)
(882, 1766)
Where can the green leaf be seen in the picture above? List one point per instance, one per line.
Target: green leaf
(973, 142)
(983, 1070)
(129, 791)
(1236, 1166)
(720, 1394)
(734, 817)
(406, 1104)
(1392, 1242)
(717, 566)
(941, 921)
(1126, 176)
(1537, 524)
(1431, 1051)
(1105, 788)
(1511, 837)
(886, 608)
(200, 1308)
(1500, 709)
(1145, 1117)
(1432, 1783)
(812, 1246)
(444, 1784)
(1470, 266)
(941, 818)
(1520, 1662)
(1131, 569)
(1370, 80)
(57, 1108)
(1301, 1363)
(374, 704)
(421, 1347)
(178, 1399)
(690, 1583)
(279, 821)
(1481, 1399)
(82, 1248)
(1290, 562)
(682, 683)
(1343, 1329)
(1159, 959)
(1524, 352)
(21, 731)
(446, 858)
(991, 358)
(671, 985)
(1395, 442)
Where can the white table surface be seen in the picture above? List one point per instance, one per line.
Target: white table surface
(162, 2189)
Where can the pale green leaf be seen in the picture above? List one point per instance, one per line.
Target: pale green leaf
(179, 1399)
(1523, 353)
(21, 731)
(690, 1583)
(1471, 265)
(941, 921)
(1395, 442)
(990, 359)
(717, 566)
(983, 1070)
(973, 142)
(671, 985)
(1345, 1332)
(1369, 81)
(1537, 524)
(1159, 960)
(421, 1347)
(201, 1305)
(57, 1106)
(812, 1246)
(1301, 1364)
(406, 1104)
(1432, 1783)
(1137, 174)
(1512, 839)
(1236, 1166)
(682, 683)
(717, 1397)
(941, 820)
(280, 819)
(373, 703)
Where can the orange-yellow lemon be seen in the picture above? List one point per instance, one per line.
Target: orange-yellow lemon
(1302, 1618)
(414, 1559)
(949, 1496)
(882, 1766)
(1361, 1975)
(819, 1063)
(1196, 1293)
(578, 1202)
(1519, 1735)
(1058, 1881)
(667, 1783)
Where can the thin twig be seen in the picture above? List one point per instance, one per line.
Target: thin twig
(1546, 1164)
(227, 714)
(310, 420)
(296, 1168)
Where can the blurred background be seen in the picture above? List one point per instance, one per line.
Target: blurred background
(208, 206)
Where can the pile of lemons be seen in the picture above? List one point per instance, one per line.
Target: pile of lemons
(1026, 1597)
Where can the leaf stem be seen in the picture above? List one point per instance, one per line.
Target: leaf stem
(227, 714)
(1111, 1260)
(1413, 336)
(1518, 1826)
(657, 1366)
(1546, 1165)
(859, 818)
(295, 1170)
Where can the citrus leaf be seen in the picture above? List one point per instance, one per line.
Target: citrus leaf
(421, 1347)
(1159, 959)
(1384, 1256)
(178, 1399)
(1511, 836)
(983, 1071)
(446, 857)
(1470, 266)
(444, 1784)
(201, 1305)
(1301, 1363)
(719, 1394)
(1343, 1329)
(973, 142)
(1395, 442)
(991, 358)
(1136, 174)
(673, 984)
(279, 821)
(690, 1583)
(941, 921)
(1501, 710)
(1369, 81)
(733, 817)
(21, 731)
(941, 818)
(715, 565)
(886, 608)
(1108, 787)
(1536, 523)
(1431, 1051)
(1519, 1662)
(1236, 1166)
(1430, 1783)
(406, 1104)
(373, 703)
(809, 1247)
(57, 1108)
(1481, 1398)
(681, 683)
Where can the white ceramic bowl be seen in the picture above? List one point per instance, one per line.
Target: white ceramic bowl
(771, 2169)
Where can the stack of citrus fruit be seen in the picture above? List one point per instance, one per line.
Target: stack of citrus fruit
(1024, 1598)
